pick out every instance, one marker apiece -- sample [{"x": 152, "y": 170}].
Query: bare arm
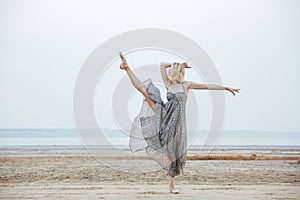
[
  {"x": 200, "y": 86},
  {"x": 163, "y": 66}
]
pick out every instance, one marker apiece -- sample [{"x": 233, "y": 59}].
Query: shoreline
[{"x": 229, "y": 157}]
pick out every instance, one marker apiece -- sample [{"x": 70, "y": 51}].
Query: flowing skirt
[{"x": 162, "y": 133}]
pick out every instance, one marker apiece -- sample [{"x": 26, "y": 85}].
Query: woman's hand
[
  {"x": 232, "y": 90},
  {"x": 165, "y": 64},
  {"x": 186, "y": 65}
]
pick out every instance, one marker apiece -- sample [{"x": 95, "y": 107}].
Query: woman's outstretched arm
[
  {"x": 200, "y": 86},
  {"x": 163, "y": 66}
]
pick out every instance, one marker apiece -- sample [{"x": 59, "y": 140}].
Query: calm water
[
  {"x": 17, "y": 137},
  {"x": 67, "y": 141},
  {"x": 115, "y": 137}
]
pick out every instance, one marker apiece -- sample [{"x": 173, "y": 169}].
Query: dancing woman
[{"x": 163, "y": 132}]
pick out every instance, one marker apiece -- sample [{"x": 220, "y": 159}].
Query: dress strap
[
  {"x": 183, "y": 87},
  {"x": 168, "y": 85}
]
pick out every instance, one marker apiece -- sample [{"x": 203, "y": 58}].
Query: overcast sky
[{"x": 254, "y": 44}]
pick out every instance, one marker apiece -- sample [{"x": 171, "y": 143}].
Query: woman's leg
[
  {"x": 136, "y": 82},
  {"x": 171, "y": 178},
  {"x": 171, "y": 182}
]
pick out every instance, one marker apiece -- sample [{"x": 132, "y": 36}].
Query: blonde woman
[{"x": 160, "y": 127}]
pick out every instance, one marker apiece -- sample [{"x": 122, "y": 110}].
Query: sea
[{"x": 56, "y": 141}]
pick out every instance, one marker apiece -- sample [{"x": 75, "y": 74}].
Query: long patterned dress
[{"x": 162, "y": 133}]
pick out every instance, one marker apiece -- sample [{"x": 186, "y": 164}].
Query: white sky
[{"x": 254, "y": 44}]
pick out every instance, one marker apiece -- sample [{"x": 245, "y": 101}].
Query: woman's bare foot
[
  {"x": 171, "y": 186},
  {"x": 124, "y": 64},
  {"x": 173, "y": 190}
]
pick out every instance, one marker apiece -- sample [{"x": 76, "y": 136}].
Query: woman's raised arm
[
  {"x": 163, "y": 66},
  {"x": 200, "y": 86}
]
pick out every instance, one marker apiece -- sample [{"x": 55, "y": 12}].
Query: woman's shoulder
[{"x": 186, "y": 83}]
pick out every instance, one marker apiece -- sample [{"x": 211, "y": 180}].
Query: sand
[{"x": 85, "y": 177}]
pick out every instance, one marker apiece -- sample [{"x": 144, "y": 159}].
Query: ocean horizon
[{"x": 16, "y": 137}]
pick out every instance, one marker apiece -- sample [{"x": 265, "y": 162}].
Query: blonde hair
[{"x": 177, "y": 72}]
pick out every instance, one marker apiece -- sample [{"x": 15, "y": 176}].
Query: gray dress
[{"x": 162, "y": 133}]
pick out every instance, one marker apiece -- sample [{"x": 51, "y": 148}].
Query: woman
[{"x": 160, "y": 127}]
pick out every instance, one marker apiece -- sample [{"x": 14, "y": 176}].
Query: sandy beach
[
  {"x": 28, "y": 175},
  {"x": 91, "y": 90}
]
